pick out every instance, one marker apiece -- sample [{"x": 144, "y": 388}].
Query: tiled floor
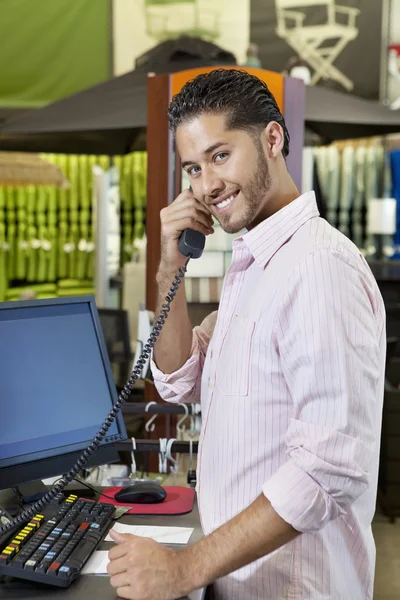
[{"x": 387, "y": 576}]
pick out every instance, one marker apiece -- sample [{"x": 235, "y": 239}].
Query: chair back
[
  {"x": 282, "y": 4},
  {"x": 167, "y": 2}
]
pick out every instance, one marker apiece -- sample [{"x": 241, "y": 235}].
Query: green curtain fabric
[
  {"x": 51, "y": 49},
  {"x": 47, "y": 238}
]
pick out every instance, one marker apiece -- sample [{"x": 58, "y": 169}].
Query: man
[{"x": 289, "y": 372}]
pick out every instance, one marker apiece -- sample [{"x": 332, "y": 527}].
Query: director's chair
[{"x": 309, "y": 41}]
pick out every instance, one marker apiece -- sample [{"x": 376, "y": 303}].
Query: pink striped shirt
[{"x": 290, "y": 375}]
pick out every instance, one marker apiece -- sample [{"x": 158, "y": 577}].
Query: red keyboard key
[{"x": 53, "y": 568}]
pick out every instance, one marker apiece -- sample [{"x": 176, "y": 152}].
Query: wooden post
[
  {"x": 159, "y": 176},
  {"x": 159, "y": 190}
]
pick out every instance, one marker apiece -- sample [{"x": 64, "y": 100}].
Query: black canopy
[
  {"x": 6, "y": 113},
  {"x": 110, "y": 118},
  {"x": 334, "y": 115}
]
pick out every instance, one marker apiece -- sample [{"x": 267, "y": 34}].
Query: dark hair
[{"x": 245, "y": 99}]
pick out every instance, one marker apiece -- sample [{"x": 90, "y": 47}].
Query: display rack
[
  {"x": 183, "y": 447},
  {"x": 159, "y": 409}
]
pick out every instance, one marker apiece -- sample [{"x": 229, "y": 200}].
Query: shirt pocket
[{"x": 233, "y": 369}]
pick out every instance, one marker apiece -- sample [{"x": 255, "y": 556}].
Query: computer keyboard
[{"x": 53, "y": 547}]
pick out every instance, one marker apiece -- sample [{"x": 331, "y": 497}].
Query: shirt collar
[{"x": 267, "y": 237}]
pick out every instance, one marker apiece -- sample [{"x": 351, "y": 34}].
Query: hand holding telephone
[{"x": 192, "y": 242}]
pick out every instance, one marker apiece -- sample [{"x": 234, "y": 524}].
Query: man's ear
[{"x": 273, "y": 139}]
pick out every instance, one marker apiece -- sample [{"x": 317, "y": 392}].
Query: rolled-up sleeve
[
  {"x": 184, "y": 384},
  {"x": 329, "y": 331}
]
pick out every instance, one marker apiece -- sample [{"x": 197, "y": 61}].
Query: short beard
[{"x": 254, "y": 193}]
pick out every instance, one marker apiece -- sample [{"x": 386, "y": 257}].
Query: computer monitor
[{"x": 56, "y": 388}]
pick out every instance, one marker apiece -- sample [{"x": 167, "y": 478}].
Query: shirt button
[{"x": 211, "y": 385}]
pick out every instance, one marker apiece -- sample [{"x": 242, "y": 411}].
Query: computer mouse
[{"x": 142, "y": 492}]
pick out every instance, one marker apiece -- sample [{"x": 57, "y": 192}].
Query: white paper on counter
[
  {"x": 97, "y": 563},
  {"x": 163, "y": 535}
]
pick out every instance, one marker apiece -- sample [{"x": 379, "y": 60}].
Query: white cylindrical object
[
  {"x": 101, "y": 183},
  {"x": 381, "y": 216}
]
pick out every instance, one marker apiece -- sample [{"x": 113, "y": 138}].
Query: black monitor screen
[{"x": 55, "y": 380}]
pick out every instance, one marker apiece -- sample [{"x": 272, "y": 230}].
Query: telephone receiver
[{"x": 192, "y": 242}]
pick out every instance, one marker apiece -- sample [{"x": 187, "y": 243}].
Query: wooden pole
[{"x": 159, "y": 192}]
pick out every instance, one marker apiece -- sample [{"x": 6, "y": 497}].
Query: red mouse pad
[{"x": 179, "y": 501}]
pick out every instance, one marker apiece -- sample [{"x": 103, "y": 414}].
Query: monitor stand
[
  {"x": 12, "y": 499},
  {"x": 33, "y": 491}
]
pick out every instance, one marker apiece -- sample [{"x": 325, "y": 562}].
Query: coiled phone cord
[{"x": 122, "y": 398}]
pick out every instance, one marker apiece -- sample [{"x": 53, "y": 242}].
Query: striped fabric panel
[{"x": 203, "y": 289}]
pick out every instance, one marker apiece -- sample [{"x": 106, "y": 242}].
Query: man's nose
[{"x": 212, "y": 184}]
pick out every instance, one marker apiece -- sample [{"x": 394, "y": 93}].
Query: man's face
[{"x": 228, "y": 171}]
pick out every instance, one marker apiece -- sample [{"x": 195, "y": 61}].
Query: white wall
[
  {"x": 395, "y": 21},
  {"x": 131, "y": 39},
  {"x": 129, "y": 36}
]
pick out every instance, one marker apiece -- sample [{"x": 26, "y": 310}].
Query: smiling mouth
[{"x": 226, "y": 203}]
